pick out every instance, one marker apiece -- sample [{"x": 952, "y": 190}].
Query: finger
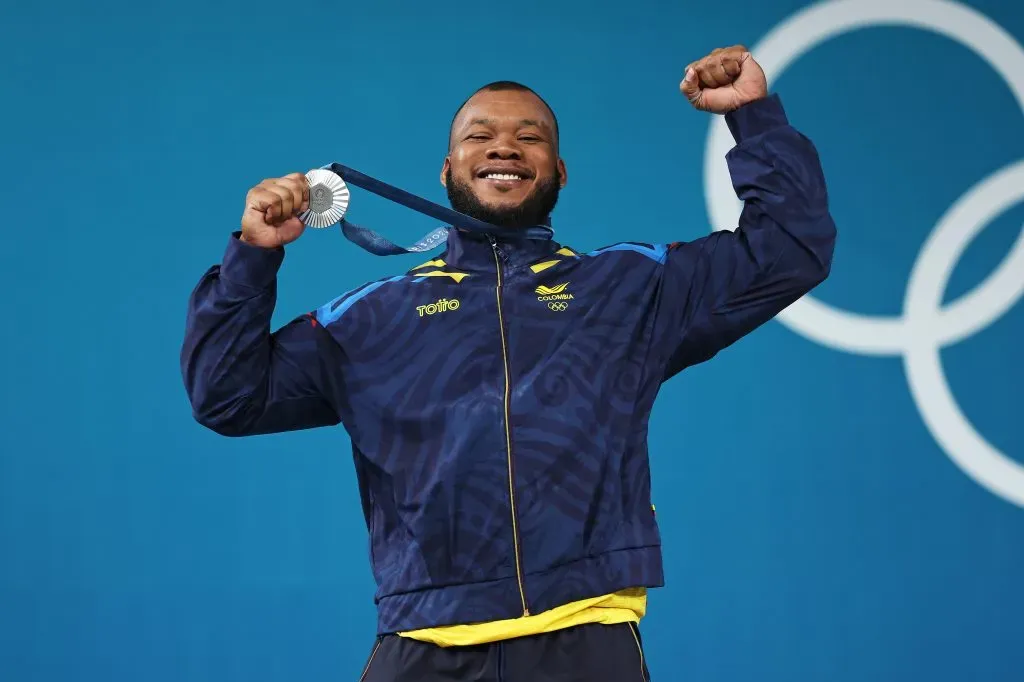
[
  {"x": 730, "y": 52},
  {"x": 291, "y": 228},
  {"x": 274, "y": 200},
  {"x": 717, "y": 99},
  {"x": 707, "y": 79},
  {"x": 716, "y": 71},
  {"x": 304, "y": 192},
  {"x": 285, "y": 203},
  {"x": 263, "y": 202},
  {"x": 690, "y": 86},
  {"x": 297, "y": 187},
  {"x": 260, "y": 199},
  {"x": 732, "y": 67},
  {"x": 301, "y": 183}
]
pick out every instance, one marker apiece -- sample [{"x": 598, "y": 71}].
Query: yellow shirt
[{"x": 625, "y": 606}]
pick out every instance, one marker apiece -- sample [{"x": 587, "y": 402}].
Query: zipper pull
[{"x": 497, "y": 251}]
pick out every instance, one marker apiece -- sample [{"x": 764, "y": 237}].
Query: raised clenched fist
[
  {"x": 724, "y": 81},
  {"x": 271, "y": 207}
]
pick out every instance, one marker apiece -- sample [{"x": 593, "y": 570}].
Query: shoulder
[
  {"x": 435, "y": 267},
  {"x": 631, "y": 250},
  {"x": 334, "y": 309},
  {"x": 337, "y": 307}
]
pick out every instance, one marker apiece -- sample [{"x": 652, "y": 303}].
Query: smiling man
[
  {"x": 498, "y": 396},
  {"x": 503, "y": 165}
]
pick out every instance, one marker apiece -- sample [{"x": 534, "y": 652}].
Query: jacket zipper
[{"x": 508, "y": 427}]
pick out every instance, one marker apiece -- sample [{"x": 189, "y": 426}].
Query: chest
[{"x": 465, "y": 332}]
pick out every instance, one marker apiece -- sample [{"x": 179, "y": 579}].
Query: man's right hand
[{"x": 269, "y": 220}]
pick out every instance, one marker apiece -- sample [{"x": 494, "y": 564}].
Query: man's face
[{"x": 503, "y": 165}]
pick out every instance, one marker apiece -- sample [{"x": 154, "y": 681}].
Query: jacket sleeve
[
  {"x": 723, "y": 286},
  {"x": 241, "y": 379}
]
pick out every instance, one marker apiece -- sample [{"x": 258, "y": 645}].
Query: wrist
[
  {"x": 249, "y": 241},
  {"x": 249, "y": 265},
  {"x": 756, "y": 117}
]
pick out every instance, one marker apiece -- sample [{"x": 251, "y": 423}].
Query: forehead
[{"x": 504, "y": 106}]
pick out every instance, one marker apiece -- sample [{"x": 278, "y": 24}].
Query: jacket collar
[{"x": 472, "y": 251}]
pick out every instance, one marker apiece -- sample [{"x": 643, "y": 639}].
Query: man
[{"x": 497, "y": 396}]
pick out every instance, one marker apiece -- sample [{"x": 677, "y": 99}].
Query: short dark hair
[{"x": 495, "y": 87}]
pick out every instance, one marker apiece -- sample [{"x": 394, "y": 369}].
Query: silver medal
[{"x": 328, "y": 199}]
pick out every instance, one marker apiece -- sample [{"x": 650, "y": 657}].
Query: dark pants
[{"x": 586, "y": 653}]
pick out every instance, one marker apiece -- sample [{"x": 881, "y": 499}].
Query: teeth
[{"x": 502, "y": 176}]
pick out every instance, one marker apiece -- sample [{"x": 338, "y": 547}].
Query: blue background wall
[{"x": 134, "y": 545}]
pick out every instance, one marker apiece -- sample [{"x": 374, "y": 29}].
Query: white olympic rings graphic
[{"x": 926, "y": 326}]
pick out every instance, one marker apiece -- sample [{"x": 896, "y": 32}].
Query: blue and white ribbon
[{"x": 329, "y": 200}]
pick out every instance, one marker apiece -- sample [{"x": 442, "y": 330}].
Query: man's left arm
[{"x": 728, "y": 283}]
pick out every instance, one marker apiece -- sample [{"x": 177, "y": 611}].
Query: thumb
[
  {"x": 291, "y": 228},
  {"x": 690, "y": 86}
]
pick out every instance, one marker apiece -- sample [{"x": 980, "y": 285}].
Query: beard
[{"x": 533, "y": 210}]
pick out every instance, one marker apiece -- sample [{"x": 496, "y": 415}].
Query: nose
[{"x": 503, "y": 148}]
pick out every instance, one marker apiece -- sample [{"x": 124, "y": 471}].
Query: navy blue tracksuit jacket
[{"x": 498, "y": 396}]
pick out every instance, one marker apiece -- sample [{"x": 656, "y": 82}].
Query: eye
[
  {"x": 477, "y": 136},
  {"x": 530, "y": 138}
]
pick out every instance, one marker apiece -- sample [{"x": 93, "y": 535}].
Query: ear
[
  {"x": 562, "y": 172},
  {"x": 444, "y": 170}
]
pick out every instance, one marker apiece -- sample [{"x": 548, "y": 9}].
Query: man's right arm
[{"x": 242, "y": 379}]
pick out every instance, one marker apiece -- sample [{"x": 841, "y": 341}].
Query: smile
[
  {"x": 506, "y": 175},
  {"x": 503, "y": 177}
]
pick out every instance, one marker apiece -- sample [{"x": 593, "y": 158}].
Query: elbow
[
  {"x": 814, "y": 273},
  {"x": 819, "y": 248},
  {"x": 817, "y": 276},
  {"x": 230, "y": 418},
  {"x": 811, "y": 263},
  {"x": 826, "y": 249},
  {"x": 218, "y": 403},
  {"x": 222, "y": 427}
]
